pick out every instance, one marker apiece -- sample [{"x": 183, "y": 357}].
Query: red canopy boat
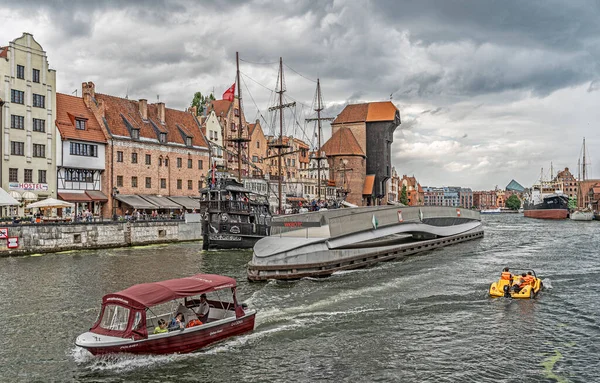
[{"x": 127, "y": 318}]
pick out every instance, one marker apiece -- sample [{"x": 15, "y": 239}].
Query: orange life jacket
[
  {"x": 523, "y": 282},
  {"x": 529, "y": 279},
  {"x": 194, "y": 322},
  {"x": 506, "y": 275}
]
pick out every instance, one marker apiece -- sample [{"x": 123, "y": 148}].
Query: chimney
[
  {"x": 143, "y": 105},
  {"x": 161, "y": 112},
  {"x": 88, "y": 91},
  {"x": 194, "y": 110}
]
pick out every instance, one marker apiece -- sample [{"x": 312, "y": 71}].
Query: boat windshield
[{"x": 115, "y": 318}]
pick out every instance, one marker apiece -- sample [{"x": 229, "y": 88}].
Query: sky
[{"x": 488, "y": 91}]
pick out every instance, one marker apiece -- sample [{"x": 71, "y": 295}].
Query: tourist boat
[
  {"x": 503, "y": 288},
  {"x": 233, "y": 217},
  {"x": 128, "y": 318},
  {"x": 490, "y": 211}
]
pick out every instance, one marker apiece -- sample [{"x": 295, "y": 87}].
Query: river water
[{"x": 427, "y": 318}]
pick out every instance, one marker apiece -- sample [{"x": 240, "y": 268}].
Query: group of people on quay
[{"x": 143, "y": 215}]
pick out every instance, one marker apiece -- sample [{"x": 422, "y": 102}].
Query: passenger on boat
[
  {"x": 162, "y": 327},
  {"x": 529, "y": 278},
  {"x": 177, "y": 323},
  {"x": 506, "y": 275},
  {"x": 203, "y": 309},
  {"x": 518, "y": 285}
]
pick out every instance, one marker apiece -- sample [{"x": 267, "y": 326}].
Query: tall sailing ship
[
  {"x": 546, "y": 200},
  {"x": 583, "y": 212}
]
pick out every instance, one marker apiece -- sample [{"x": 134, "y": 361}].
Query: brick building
[
  {"x": 153, "y": 152},
  {"x": 257, "y": 151},
  {"x": 568, "y": 181},
  {"x": 484, "y": 199},
  {"x": 414, "y": 191}
]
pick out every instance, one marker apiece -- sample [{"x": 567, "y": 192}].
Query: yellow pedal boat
[{"x": 509, "y": 288}]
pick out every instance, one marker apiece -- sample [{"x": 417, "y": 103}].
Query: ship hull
[{"x": 547, "y": 213}]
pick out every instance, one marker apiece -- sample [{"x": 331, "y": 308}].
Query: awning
[
  {"x": 15, "y": 194},
  {"x": 161, "y": 202},
  {"x": 74, "y": 197},
  {"x": 135, "y": 201},
  {"x": 6, "y": 199},
  {"x": 369, "y": 182},
  {"x": 29, "y": 196},
  {"x": 186, "y": 202},
  {"x": 295, "y": 199},
  {"x": 96, "y": 195}
]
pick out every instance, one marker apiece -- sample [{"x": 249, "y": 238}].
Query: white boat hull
[{"x": 582, "y": 215}]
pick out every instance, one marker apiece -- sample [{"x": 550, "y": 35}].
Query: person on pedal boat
[
  {"x": 529, "y": 278},
  {"x": 520, "y": 283},
  {"x": 506, "y": 275}
]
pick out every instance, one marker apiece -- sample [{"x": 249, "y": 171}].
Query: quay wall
[{"x": 47, "y": 238}]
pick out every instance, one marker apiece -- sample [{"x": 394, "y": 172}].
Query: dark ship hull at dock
[
  {"x": 552, "y": 207},
  {"x": 233, "y": 217}
]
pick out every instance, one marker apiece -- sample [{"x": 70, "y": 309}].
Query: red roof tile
[
  {"x": 251, "y": 129},
  {"x": 117, "y": 108},
  {"x": 68, "y": 109},
  {"x": 368, "y": 112},
  {"x": 368, "y": 186},
  {"x": 221, "y": 107},
  {"x": 342, "y": 143}
]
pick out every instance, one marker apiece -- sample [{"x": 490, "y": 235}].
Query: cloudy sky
[{"x": 488, "y": 90}]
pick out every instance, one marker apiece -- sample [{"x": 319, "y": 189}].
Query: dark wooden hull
[
  {"x": 241, "y": 242},
  {"x": 547, "y": 213},
  {"x": 182, "y": 342}
]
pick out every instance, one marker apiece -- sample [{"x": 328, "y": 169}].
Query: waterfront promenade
[{"x": 378, "y": 324}]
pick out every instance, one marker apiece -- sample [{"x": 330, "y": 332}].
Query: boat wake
[
  {"x": 547, "y": 283},
  {"x": 119, "y": 362}
]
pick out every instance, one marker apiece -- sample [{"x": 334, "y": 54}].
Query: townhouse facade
[{"x": 28, "y": 146}]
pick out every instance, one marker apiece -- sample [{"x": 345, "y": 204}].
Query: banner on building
[{"x": 27, "y": 186}]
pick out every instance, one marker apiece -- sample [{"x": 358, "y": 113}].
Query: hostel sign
[{"x": 27, "y": 186}]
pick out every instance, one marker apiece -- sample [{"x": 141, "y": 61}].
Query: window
[
  {"x": 134, "y": 182},
  {"x": 42, "y": 176},
  {"x": 200, "y": 164},
  {"x": 39, "y": 101},
  {"x": 179, "y": 184},
  {"x": 17, "y": 122},
  {"x": 163, "y": 137},
  {"x": 179, "y": 162},
  {"x": 167, "y": 161},
  {"x": 79, "y": 175},
  {"x": 236, "y": 112},
  {"x": 39, "y": 150},
  {"x": 36, "y": 75},
  {"x": 293, "y": 162},
  {"x": 115, "y": 318},
  {"x": 120, "y": 181},
  {"x": 190, "y": 187},
  {"x": 17, "y": 148},
  {"x": 188, "y": 141},
  {"x": 119, "y": 156},
  {"x": 189, "y": 163},
  {"x": 17, "y": 96},
  {"x": 80, "y": 124},
  {"x": 163, "y": 183},
  {"x": 21, "y": 72},
  {"x": 148, "y": 159},
  {"x": 13, "y": 175},
  {"x": 233, "y": 126},
  {"x": 254, "y": 158},
  {"x": 160, "y": 161},
  {"x": 135, "y": 134},
  {"x": 28, "y": 176},
  {"x": 148, "y": 182},
  {"x": 39, "y": 125},
  {"x": 134, "y": 158},
  {"x": 86, "y": 150},
  {"x": 257, "y": 144},
  {"x": 199, "y": 184}
]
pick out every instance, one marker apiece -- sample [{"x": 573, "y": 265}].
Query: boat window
[
  {"x": 115, "y": 318},
  {"x": 137, "y": 320}
]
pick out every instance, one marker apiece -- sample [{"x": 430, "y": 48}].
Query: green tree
[
  {"x": 513, "y": 202},
  {"x": 404, "y": 196},
  {"x": 199, "y": 101},
  {"x": 572, "y": 203}
]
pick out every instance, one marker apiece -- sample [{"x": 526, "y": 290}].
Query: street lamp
[{"x": 115, "y": 193}]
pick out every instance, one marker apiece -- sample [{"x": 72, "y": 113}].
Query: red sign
[
  {"x": 458, "y": 212},
  {"x": 12, "y": 242},
  {"x": 400, "y": 219},
  {"x": 3, "y": 233}
]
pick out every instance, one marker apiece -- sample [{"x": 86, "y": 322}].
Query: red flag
[{"x": 229, "y": 93}]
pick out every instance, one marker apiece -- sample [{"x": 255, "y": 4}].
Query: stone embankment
[{"x": 47, "y": 238}]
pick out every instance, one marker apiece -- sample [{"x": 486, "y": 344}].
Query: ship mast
[
  {"x": 319, "y": 119},
  {"x": 239, "y": 138}
]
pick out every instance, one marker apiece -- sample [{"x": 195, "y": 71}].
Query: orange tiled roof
[
  {"x": 121, "y": 112},
  {"x": 69, "y": 108},
  {"x": 3, "y": 51},
  {"x": 368, "y": 112},
  {"x": 251, "y": 129},
  {"x": 221, "y": 107},
  {"x": 369, "y": 182},
  {"x": 342, "y": 143},
  {"x": 301, "y": 143}
]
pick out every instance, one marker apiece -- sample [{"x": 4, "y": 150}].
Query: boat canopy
[{"x": 150, "y": 294}]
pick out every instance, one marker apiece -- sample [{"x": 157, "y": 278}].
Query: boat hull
[
  {"x": 231, "y": 241},
  {"x": 547, "y": 213},
  {"x": 188, "y": 340},
  {"x": 582, "y": 215}
]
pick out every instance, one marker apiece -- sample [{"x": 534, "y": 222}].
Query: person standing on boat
[{"x": 203, "y": 309}]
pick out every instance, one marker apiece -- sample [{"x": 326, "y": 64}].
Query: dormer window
[
  {"x": 233, "y": 126},
  {"x": 236, "y": 112},
  {"x": 163, "y": 138},
  {"x": 188, "y": 141},
  {"x": 80, "y": 124},
  {"x": 135, "y": 134}
]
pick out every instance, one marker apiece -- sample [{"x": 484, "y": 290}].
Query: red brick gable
[
  {"x": 342, "y": 143},
  {"x": 121, "y": 112},
  {"x": 69, "y": 108}
]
